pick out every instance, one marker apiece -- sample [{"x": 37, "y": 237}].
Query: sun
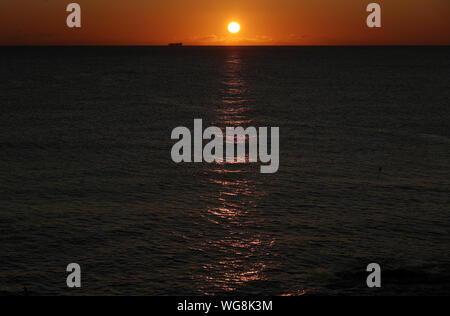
[{"x": 234, "y": 27}]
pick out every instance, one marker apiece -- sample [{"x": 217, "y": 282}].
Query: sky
[{"x": 204, "y": 22}]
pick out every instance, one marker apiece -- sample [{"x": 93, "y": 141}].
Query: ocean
[{"x": 86, "y": 174}]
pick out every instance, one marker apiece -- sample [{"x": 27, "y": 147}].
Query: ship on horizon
[{"x": 176, "y": 44}]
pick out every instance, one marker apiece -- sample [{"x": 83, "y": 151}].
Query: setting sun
[{"x": 234, "y": 27}]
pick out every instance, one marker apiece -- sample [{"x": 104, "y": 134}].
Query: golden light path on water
[
  {"x": 237, "y": 252},
  {"x": 240, "y": 259}
]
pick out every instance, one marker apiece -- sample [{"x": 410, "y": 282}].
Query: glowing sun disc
[{"x": 234, "y": 27}]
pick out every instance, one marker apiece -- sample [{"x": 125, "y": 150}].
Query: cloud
[
  {"x": 231, "y": 40},
  {"x": 207, "y": 39}
]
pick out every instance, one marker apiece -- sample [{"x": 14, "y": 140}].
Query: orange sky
[{"x": 204, "y": 22}]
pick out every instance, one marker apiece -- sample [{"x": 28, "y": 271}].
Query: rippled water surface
[{"x": 86, "y": 174}]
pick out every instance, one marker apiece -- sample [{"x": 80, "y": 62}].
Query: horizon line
[{"x": 223, "y": 46}]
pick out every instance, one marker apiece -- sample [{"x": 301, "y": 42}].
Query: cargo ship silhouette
[{"x": 176, "y": 44}]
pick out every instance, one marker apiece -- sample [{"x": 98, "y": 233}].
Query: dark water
[{"x": 86, "y": 174}]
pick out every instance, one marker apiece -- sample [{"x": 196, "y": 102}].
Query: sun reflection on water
[{"x": 236, "y": 252}]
